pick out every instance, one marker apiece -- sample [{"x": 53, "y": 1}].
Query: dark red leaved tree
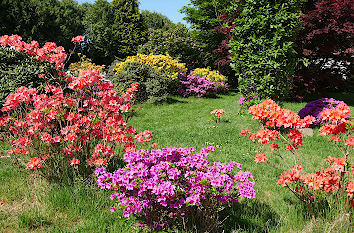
[
  {"x": 326, "y": 39},
  {"x": 222, "y": 52}
]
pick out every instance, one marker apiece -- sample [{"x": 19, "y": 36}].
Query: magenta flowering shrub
[
  {"x": 171, "y": 186},
  {"x": 192, "y": 85},
  {"x": 316, "y": 107}
]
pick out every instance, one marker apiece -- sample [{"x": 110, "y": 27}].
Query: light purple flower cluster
[
  {"x": 192, "y": 85},
  {"x": 315, "y": 108},
  {"x": 242, "y": 99},
  {"x": 172, "y": 180}
]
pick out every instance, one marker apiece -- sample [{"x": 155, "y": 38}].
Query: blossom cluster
[
  {"x": 58, "y": 129},
  {"x": 192, "y": 85},
  {"x": 217, "y": 112},
  {"x": 172, "y": 181},
  {"x": 161, "y": 63},
  {"x": 316, "y": 107},
  {"x": 50, "y": 52},
  {"x": 77, "y": 39},
  {"x": 326, "y": 180},
  {"x": 273, "y": 118},
  {"x": 212, "y": 75},
  {"x": 308, "y": 187}
]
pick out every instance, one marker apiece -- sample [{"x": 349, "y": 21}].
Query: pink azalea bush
[
  {"x": 171, "y": 186},
  {"x": 192, "y": 85}
]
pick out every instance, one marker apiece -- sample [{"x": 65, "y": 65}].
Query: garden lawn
[{"x": 30, "y": 204}]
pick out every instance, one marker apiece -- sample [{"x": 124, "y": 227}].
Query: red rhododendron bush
[
  {"x": 282, "y": 129},
  {"x": 69, "y": 129}
]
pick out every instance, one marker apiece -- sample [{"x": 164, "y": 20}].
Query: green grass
[{"x": 33, "y": 205}]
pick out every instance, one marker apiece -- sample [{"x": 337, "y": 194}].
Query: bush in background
[
  {"x": 212, "y": 75},
  {"x": 262, "y": 43},
  {"x": 326, "y": 42},
  {"x": 163, "y": 64},
  {"x": 17, "y": 69},
  {"x": 85, "y": 63},
  {"x": 178, "y": 43},
  {"x": 316, "y": 107},
  {"x": 153, "y": 86},
  {"x": 194, "y": 85}
]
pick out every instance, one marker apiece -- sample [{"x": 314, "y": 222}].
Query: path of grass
[{"x": 32, "y": 205}]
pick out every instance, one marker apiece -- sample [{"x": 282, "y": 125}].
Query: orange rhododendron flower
[
  {"x": 100, "y": 162},
  {"x": 274, "y": 146},
  {"x": 75, "y": 163},
  {"x": 260, "y": 158},
  {"x": 269, "y": 124},
  {"x": 34, "y": 163},
  {"x": 245, "y": 132},
  {"x": 217, "y": 112},
  {"x": 338, "y": 114},
  {"x": 350, "y": 189},
  {"x": 350, "y": 141},
  {"x": 335, "y": 138}
]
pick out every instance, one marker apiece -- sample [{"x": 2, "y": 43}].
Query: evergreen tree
[
  {"x": 102, "y": 43},
  {"x": 130, "y": 28},
  {"x": 42, "y": 20}
]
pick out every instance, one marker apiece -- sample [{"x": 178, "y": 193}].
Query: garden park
[{"x": 116, "y": 119}]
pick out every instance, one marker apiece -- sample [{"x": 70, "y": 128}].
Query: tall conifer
[{"x": 130, "y": 29}]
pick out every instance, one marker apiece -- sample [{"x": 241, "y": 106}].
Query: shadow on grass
[
  {"x": 252, "y": 216},
  {"x": 171, "y": 100},
  {"x": 225, "y": 121}
]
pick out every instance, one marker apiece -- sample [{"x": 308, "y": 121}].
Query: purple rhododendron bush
[
  {"x": 316, "y": 107},
  {"x": 176, "y": 187}
]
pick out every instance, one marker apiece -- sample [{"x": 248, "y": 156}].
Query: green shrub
[
  {"x": 153, "y": 86},
  {"x": 18, "y": 69},
  {"x": 262, "y": 50},
  {"x": 178, "y": 43}
]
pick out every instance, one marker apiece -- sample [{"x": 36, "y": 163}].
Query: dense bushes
[
  {"x": 163, "y": 64},
  {"x": 262, "y": 51},
  {"x": 178, "y": 43},
  {"x": 326, "y": 41},
  {"x": 85, "y": 63},
  {"x": 204, "y": 17},
  {"x": 154, "y": 20},
  {"x": 153, "y": 86},
  {"x": 17, "y": 69},
  {"x": 42, "y": 20},
  {"x": 27, "y": 64}
]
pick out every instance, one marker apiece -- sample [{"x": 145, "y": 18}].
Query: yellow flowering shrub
[
  {"x": 212, "y": 75},
  {"x": 161, "y": 63},
  {"x": 85, "y": 63}
]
